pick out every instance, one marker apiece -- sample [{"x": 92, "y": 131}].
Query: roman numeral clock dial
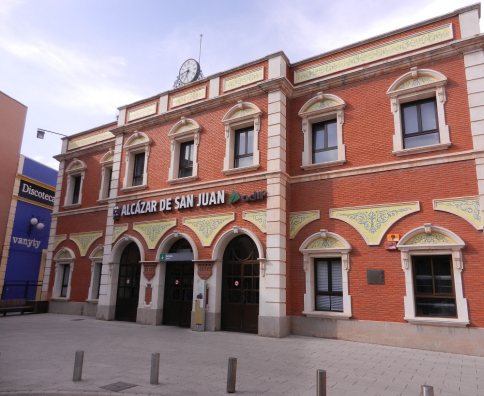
[{"x": 189, "y": 71}]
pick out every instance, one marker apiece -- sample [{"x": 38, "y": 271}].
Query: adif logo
[{"x": 234, "y": 197}]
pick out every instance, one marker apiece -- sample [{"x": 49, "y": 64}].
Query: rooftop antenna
[{"x": 200, "y": 49}]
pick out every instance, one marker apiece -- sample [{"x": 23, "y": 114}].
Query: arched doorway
[
  {"x": 128, "y": 284},
  {"x": 240, "y": 286},
  {"x": 178, "y": 296}
]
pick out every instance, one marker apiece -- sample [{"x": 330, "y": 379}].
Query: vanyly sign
[{"x": 186, "y": 201}]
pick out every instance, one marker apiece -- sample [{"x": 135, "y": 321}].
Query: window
[
  {"x": 185, "y": 168},
  {"x": 137, "y": 149},
  {"x": 322, "y": 126},
  {"x": 244, "y": 147},
  {"x": 107, "y": 175},
  {"x": 65, "y": 269},
  {"x": 325, "y": 142},
  {"x": 326, "y": 265},
  {"x": 96, "y": 272},
  {"x": 420, "y": 126},
  {"x": 75, "y": 178},
  {"x": 138, "y": 169},
  {"x": 434, "y": 291},
  {"x": 185, "y": 138},
  {"x": 417, "y": 104},
  {"x": 432, "y": 263},
  {"x": 329, "y": 285},
  {"x": 64, "y": 264},
  {"x": 242, "y": 125}
]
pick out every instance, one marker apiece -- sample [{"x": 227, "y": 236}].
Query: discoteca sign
[{"x": 187, "y": 201}]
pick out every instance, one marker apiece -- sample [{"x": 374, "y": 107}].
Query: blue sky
[{"x": 74, "y": 62}]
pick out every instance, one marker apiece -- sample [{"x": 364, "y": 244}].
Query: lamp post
[
  {"x": 35, "y": 223},
  {"x": 41, "y": 133}
]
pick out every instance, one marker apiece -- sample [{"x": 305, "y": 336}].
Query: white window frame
[
  {"x": 183, "y": 131},
  {"x": 64, "y": 257},
  {"x": 242, "y": 115},
  {"x": 106, "y": 164},
  {"x": 96, "y": 258},
  {"x": 137, "y": 143},
  {"x": 416, "y": 85},
  {"x": 322, "y": 107},
  {"x": 426, "y": 241},
  {"x": 332, "y": 246},
  {"x": 74, "y": 169}
]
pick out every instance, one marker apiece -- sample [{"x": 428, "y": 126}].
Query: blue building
[{"x": 27, "y": 236}]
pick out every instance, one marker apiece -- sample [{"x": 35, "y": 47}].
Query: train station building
[{"x": 339, "y": 196}]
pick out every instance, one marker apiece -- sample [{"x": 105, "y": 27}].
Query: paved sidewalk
[{"x": 37, "y": 357}]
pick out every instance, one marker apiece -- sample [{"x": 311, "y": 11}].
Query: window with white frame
[
  {"x": 433, "y": 264},
  {"x": 96, "y": 272},
  {"x": 322, "y": 127},
  {"x": 242, "y": 126},
  {"x": 75, "y": 173},
  {"x": 137, "y": 148},
  {"x": 64, "y": 265},
  {"x": 184, "y": 138},
  {"x": 418, "y": 106},
  {"x": 326, "y": 265},
  {"x": 106, "y": 175}
]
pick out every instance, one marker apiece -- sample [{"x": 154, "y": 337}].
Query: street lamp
[{"x": 41, "y": 133}]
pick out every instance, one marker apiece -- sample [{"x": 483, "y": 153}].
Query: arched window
[
  {"x": 242, "y": 125},
  {"x": 64, "y": 265},
  {"x": 106, "y": 175},
  {"x": 432, "y": 262},
  {"x": 326, "y": 264},
  {"x": 417, "y": 103},
  {"x": 96, "y": 258},
  {"x": 137, "y": 149},
  {"x": 75, "y": 173},
  {"x": 322, "y": 126}
]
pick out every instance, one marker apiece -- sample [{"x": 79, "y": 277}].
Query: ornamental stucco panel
[
  {"x": 434, "y": 238},
  {"x": 256, "y": 217},
  {"x": 325, "y": 243},
  {"x": 84, "y": 240},
  {"x": 58, "y": 239},
  {"x": 297, "y": 220},
  {"x": 207, "y": 227},
  {"x": 372, "y": 222},
  {"x": 466, "y": 208},
  {"x": 118, "y": 230},
  {"x": 153, "y": 231}
]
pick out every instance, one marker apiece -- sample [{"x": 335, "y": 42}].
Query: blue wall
[{"x": 27, "y": 243}]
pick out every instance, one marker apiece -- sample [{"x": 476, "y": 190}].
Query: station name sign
[
  {"x": 187, "y": 201},
  {"x": 38, "y": 194}
]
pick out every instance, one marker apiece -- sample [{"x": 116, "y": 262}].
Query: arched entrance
[
  {"x": 128, "y": 284},
  {"x": 178, "y": 297},
  {"x": 240, "y": 286}
]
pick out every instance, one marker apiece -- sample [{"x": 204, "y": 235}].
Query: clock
[{"x": 189, "y": 71}]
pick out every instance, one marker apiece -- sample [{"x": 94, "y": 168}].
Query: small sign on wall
[{"x": 375, "y": 276}]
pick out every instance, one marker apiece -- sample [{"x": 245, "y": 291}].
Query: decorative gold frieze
[
  {"x": 372, "y": 222},
  {"x": 58, "y": 239},
  {"x": 256, "y": 217},
  {"x": 466, "y": 208},
  {"x": 242, "y": 79},
  {"x": 91, "y": 139},
  {"x": 188, "y": 97},
  {"x": 153, "y": 231},
  {"x": 434, "y": 238},
  {"x": 297, "y": 220},
  {"x": 372, "y": 54},
  {"x": 325, "y": 243},
  {"x": 84, "y": 240},
  {"x": 118, "y": 230},
  {"x": 207, "y": 227},
  {"x": 141, "y": 112}
]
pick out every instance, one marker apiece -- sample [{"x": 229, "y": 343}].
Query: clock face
[{"x": 189, "y": 71}]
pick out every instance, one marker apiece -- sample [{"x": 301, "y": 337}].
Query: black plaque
[
  {"x": 375, "y": 276},
  {"x": 36, "y": 193}
]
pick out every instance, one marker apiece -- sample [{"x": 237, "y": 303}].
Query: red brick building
[{"x": 339, "y": 196}]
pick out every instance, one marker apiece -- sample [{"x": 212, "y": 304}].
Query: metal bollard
[
  {"x": 78, "y": 361},
  {"x": 155, "y": 368},
  {"x": 320, "y": 383},
  {"x": 231, "y": 375},
  {"x": 427, "y": 390}
]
